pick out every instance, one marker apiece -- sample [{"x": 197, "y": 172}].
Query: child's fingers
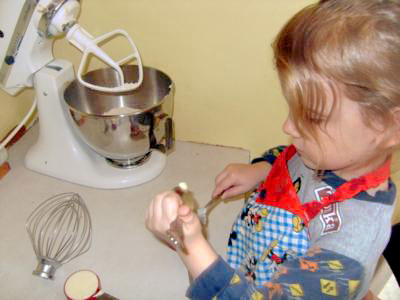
[
  {"x": 185, "y": 213},
  {"x": 170, "y": 205},
  {"x": 224, "y": 186},
  {"x": 221, "y": 184},
  {"x": 158, "y": 207},
  {"x": 155, "y": 213},
  {"x": 188, "y": 217},
  {"x": 221, "y": 176},
  {"x": 231, "y": 192},
  {"x": 149, "y": 221}
]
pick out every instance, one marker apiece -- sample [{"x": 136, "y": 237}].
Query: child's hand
[
  {"x": 164, "y": 209},
  {"x": 236, "y": 179}
]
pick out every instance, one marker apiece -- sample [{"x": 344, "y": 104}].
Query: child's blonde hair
[{"x": 341, "y": 47}]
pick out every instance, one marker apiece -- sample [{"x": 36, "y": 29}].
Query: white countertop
[{"x": 130, "y": 262}]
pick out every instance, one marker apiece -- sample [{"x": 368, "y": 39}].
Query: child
[{"x": 320, "y": 217}]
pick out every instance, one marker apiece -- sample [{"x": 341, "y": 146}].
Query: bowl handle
[
  {"x": 169, "y": 139},
  {"x": 168, "y": 132}
]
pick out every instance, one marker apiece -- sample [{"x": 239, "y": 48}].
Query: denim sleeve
[
  {"x": 320, "y": 274},
  {"x": 270, "y": 155}
]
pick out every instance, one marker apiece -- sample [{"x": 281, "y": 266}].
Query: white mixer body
[{"x": 23, "y": 51}]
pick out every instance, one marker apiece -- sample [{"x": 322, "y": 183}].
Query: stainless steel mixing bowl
[{"x": 123, "y": 127}]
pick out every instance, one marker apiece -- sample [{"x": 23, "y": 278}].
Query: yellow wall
[
  {"x": 13, "y": 110},
  {"x": 216, "y": 51}
]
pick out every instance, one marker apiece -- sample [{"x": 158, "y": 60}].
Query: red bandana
[{"x": 278, "y": 190}]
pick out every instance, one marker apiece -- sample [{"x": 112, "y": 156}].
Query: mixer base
[
  {"x": 90, "y": 169},
  {"x": 129, "y": 163}
]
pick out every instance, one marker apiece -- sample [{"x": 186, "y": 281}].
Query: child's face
[{"x": 348, "y": 145}]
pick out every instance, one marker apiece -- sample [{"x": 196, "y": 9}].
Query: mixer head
[{"x": 28, "y": 30}]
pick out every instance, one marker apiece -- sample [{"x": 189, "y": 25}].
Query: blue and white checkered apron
[{"x": 262, "y": 237}]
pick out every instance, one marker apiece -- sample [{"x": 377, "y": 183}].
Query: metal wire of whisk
[{"x": 60, "y": 229}]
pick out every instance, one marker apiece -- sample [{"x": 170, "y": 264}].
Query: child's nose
[{"x": 290, "y": 128}]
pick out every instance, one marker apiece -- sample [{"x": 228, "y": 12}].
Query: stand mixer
[{"x": 110, "y": 102}]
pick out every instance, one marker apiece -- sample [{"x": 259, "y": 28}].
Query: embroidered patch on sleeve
[{"x": 330, "y": 216}]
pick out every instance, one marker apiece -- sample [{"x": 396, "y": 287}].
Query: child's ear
[{"x": 394, "y": 139}]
